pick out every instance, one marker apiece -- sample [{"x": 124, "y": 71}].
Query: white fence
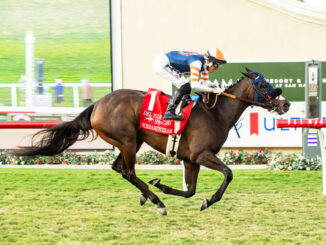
[{"x": 75, "y": 89}]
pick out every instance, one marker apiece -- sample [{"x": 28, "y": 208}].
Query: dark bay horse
[{"x": 115, "y": 118}]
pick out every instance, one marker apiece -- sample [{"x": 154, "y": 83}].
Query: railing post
[
  {"x": 13, "y": 95},
  {"x": 76, "y": 96},
  {"x": 323, "y": 158}
]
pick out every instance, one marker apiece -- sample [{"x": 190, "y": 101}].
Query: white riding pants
[{"x": 159, "y": 64}]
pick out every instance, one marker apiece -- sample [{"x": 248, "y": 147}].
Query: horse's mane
[
  {"x": 239, "y": 80},
  {"x": 232, "y": 85}
]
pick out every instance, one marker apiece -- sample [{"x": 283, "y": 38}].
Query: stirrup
[
  {"x": 173, "y": 116},
  {"x": 176, "y": 118}
]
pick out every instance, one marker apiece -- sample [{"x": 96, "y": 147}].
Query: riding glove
[{"x": 216, "y": 90}]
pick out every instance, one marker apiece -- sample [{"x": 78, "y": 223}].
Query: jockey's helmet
[{"x": 215, "y": 56}]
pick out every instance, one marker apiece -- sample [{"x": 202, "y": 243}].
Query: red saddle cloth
[{"x": 152, "y": 113}]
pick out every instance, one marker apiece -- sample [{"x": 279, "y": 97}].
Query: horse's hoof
[
  {"x": 204, "y": 205},
  {"x": 162, "y": 211},
  {"x": 154, "y": 181},
  {"x": 142, "y": 199}
]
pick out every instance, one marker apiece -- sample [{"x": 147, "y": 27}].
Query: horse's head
[{"x": 264, "y": 94}]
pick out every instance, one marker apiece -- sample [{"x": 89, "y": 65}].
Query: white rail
[{"x": 75, "y": 86}]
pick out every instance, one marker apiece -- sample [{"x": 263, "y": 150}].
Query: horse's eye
[{"x": 263, "y": 85}]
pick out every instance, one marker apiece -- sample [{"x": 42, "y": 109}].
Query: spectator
[
  {"x": 58, "y": 88},
  {"x": 40, "y": 88},
  {"x": 87, "y": 93}
]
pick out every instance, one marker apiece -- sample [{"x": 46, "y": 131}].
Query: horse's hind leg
[
  {"x": 128, "y": 172},
  {"x": 117, "y": 164},
  {"x": 126, "y": 163},
  {"x": 191, "y": 175}
]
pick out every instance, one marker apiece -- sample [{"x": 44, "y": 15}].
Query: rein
[
  {"x": 211, "y": 107},
  {"x": 247, "y": 100},
  {"x": 265, "y": 105},
  {"x": 268, "y": 103}
]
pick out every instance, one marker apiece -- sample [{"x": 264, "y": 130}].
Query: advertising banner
[{"x": 256, "y": 126}]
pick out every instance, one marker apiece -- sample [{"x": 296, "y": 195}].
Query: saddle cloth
[{"x": 152, "y": 113}]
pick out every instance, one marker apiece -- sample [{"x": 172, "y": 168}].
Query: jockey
[{"x": 174, "y": 64}]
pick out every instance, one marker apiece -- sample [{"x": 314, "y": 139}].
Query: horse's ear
[
  {"x": 245, "y": 74},
  {"x": 248, "y": 70},
  {"x": 250, "y": 75}
]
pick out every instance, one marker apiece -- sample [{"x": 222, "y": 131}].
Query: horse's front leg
[
  {"x": 209, "y": 160},
  {"x": 191, "y": 175}
]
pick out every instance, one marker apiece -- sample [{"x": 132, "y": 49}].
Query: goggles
[{"x": 216, "y": 65}]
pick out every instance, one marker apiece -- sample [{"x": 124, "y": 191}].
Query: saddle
[{"x": 152, "y": 113}]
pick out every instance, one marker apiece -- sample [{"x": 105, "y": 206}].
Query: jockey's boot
[{"x": 170, "y": 111}]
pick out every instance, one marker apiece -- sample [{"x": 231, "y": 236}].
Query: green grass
[
  {"x": 70, "y": 60},
  {"x": 40, "y": 206},
  {"x": 73, "y": 37}
]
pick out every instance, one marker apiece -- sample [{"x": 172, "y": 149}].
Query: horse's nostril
[{"x": 286, "y": 106}]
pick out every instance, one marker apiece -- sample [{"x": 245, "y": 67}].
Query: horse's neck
[{"x": 231, "y": 109}]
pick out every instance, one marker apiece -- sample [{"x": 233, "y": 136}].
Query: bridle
[{"x": 262, "y": 99}]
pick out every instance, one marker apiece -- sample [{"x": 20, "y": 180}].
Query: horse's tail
[{"x": 55, "y": 140}]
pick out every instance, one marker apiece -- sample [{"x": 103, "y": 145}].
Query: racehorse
[{"x": 115, "y": 118}]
